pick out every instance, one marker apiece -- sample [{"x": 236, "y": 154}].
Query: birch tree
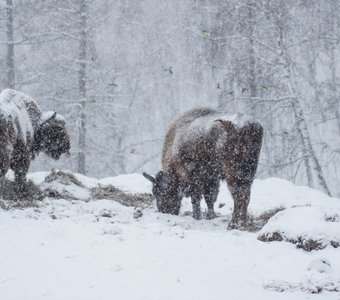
[
  {"x": 82, "y": 79},
  {"x": 10, "y": 67},
  {"x": 280, "y": 17}
]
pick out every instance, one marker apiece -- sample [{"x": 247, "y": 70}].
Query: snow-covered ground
[{"x": 96, "y": 249}]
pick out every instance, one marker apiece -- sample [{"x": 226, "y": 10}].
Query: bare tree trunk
[
  {"x": 10, "y": 76},
  {"x": 308, "y": 151},
  {"x": 335, "y": 101},
  {"x": 302, "y": 133},
  {"x": 82, "y": 85},
  {"x": 121, "y": 156},
  {"x": 319, "y": 172},
  {"x": 251, "y": 56},
  {"x": 297, "y": 109},
  {"x": 301, "y": 123}
]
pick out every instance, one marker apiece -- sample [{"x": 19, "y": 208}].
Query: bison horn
[
  {"x": 49, "y": 119},
  {"x": 149, "y": 177}
]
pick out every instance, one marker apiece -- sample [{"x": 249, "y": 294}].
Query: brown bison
[
  {"x": 24, "y": 132},
  {"x": 201, "y": 148}
]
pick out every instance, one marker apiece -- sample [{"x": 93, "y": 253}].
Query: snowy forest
[
  {"x": 121, "y": 71},
  {"x": 93, "y": 206}
]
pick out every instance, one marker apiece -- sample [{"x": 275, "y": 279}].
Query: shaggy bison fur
[
  {"x": 24, "y": 132},
  {"x": 202, "y": 148}
]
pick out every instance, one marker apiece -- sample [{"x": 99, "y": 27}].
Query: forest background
[{"x": 120, "y": 71}]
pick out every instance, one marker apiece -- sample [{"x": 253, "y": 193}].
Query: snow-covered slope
[{"x": 70, "y": 249}]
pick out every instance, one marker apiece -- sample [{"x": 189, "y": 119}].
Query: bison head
[
  {"x": 166, "y": 192},
  {"x": 52, "y": 137}
]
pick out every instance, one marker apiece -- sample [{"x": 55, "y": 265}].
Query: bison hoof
[
  {"x": 211, "y": 215},
  {"x": 20, "y": 192},
  {"x": 237, "y": 225},
  {"x": 196, "y": 215}
]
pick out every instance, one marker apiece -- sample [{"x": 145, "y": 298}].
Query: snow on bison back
[
  {"x": 202, "y": 147},
  {"x": 24, "y": 132}
]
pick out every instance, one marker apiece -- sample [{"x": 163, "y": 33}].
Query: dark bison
[
  {"x": 25, "y": 131},
  {"x": 201, "y": 148}
]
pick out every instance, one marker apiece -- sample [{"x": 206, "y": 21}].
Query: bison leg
[
  {"x": 6, "y": 149},
  {"x": 20, "y": 164},
  {"x": 20, "y": 184},
  {"x": 196, "y": 206},
  {"x": 210, "y": 197},
  {"x": 20, "y": 181},
  {"x": 241, "y": 196},
  {"x": 5, "y": 160}
]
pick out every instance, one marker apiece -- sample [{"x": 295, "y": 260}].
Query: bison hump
[
  {"x": 197, "y": 130},
  {"x": 13, "y": 109}
]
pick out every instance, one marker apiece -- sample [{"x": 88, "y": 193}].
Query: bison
[
  {"x": 201, "y": 148},
  {"x": 26, "y": 131}
]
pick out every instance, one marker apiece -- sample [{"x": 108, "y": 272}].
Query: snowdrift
[{"x": 309, "y": 227}]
